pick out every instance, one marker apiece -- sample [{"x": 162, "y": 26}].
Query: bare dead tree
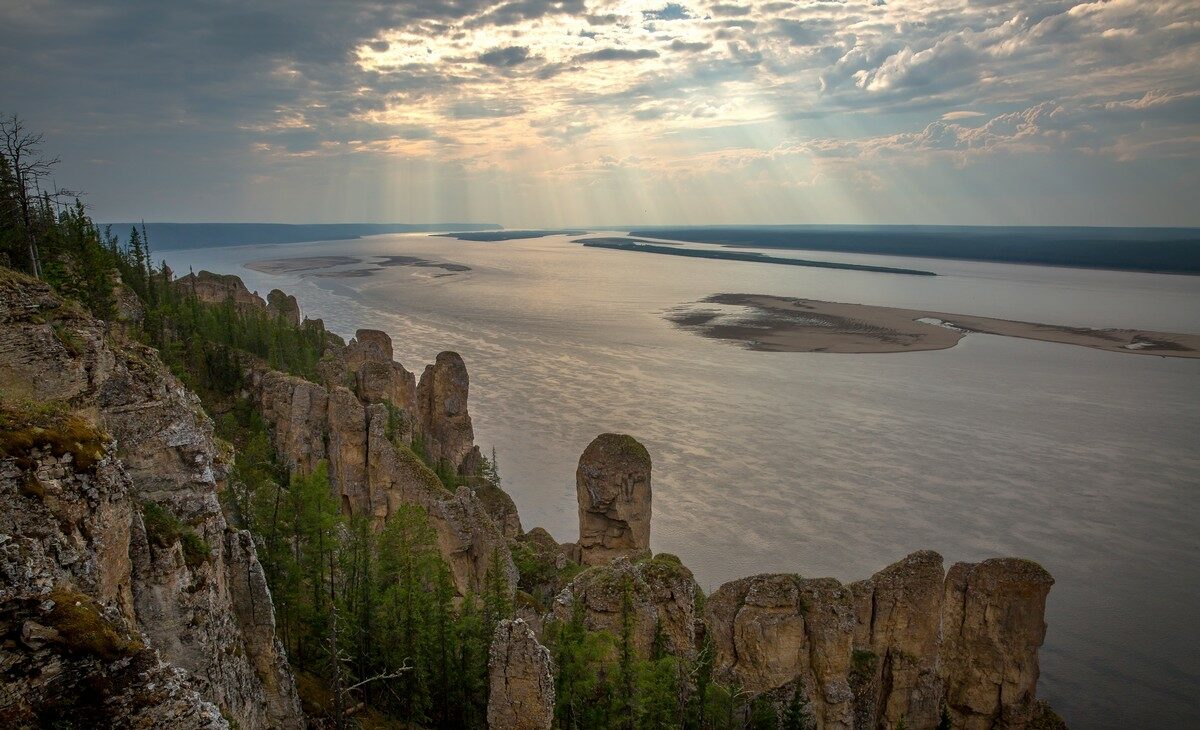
[{"x": 22, "y": 151}]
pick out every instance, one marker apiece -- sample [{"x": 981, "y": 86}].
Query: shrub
[
  {"x": 28, "y": 426},
  {"x": 84, "y": 629},
  {"x": 164, "y": 529}
]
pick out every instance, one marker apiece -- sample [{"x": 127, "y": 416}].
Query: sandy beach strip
[{"x": 788, "y": 324}]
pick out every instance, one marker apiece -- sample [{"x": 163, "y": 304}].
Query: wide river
[{"x": 835, "y": 465}]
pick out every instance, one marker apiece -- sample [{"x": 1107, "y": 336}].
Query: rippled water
[{"x": 822, "y": 464}]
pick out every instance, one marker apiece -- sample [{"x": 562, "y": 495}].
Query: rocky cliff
[
  {"x": 152, "y": 569},
  {"x": 368, "y": 438},
  {"x": 904, "y": 646},
  {"x": 125, "y": 596}
]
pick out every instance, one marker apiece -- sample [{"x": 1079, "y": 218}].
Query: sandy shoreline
[{"x": 786, "y": 324}]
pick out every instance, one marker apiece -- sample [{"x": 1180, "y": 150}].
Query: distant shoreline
[
  {"x": 1145, "y": 250},
  {"x": 789, "y": 324},
  {"x": 669, "y": 249}
]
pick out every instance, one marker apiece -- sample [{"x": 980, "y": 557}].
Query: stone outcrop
[
  {"x": 992, "y": 626},
  {"x": 896, "y": 647},
  {"x": 372, "y": 467},
  {"x": 442, "y": 417},
  {"x": 612, "y": 485},
  {"x": 213, "y": 288},
  {"x": 520, "y": 678},
  {"x": 185, "y": 608},
  {"x": 658, "y": 594},
  {"x": 284, "y": 305},
  {"x": 897, "y": 622}
]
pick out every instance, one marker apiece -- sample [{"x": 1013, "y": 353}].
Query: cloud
[
  {"x": 693, "y": 47},
  {"x": 670, "y": 11},
  {"x": 727, "y": 9},
  {"x": 616, "y": 54},
  {"x": 505, "y": 57},
  {"x": 267, "y": 86}
]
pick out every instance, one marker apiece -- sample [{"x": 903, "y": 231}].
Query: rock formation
[
  {"x": 612, "y": 485},
  {"x": 106, "y": 615},
  {"x": 659, "y": 595},
  {"x": 284, "y": 305},
  {"x": 992, "y": 625},
  {"x": 442, "y": 413},
  {"x": 897, "y": 646},
  {"x": 204, "y": 612},
  {"x": 369, "y": 447},
  {"x": 213, "y": 288},
  {"x": 520, "y": 678}
]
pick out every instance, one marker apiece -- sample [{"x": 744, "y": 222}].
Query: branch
[{"x": 382, "y": 675}]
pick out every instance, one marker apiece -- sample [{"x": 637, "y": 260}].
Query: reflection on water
[{"x": 836, "y": 464}]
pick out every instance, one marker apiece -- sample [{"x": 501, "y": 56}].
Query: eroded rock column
[
  {"x": 521, "y": 681},
  {"x": 993, "y": 623},
  {"x": 612, "y": 485}
]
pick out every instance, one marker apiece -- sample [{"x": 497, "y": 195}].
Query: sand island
[{"x": 789, "y": 324}]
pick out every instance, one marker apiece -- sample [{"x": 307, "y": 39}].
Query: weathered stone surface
[
  {"x": 442, "y": 418},
  {"x": 898, "y": 614},
  {"x": 658, "y": 593},
  {"x": 521, "y": 680},
  {"x": 165, "y": 443},
  {"x": 890, "y": 648},
  {"x": 347, "y": 429},
  {"x": 612, "y": 485},
  {"x": 213, "y": 288},
  {"x": 379, "y": 381},
  {"x": 65, "y": 592},
  {"x": 499, "y": 506},
  {"x": 284, "y": 305},
  {"x": 992, "y": 626},
  {"x": 776, "y": 631},
  {"x": 298, "y": 412}
]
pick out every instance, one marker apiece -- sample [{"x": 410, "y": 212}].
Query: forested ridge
[{"x": 374, "y": 628}]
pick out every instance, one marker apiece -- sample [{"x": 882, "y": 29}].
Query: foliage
[
  {"x": 28, "y": 426},
  {"x": 83, "y": 628},
  {"x": 164, "y": 529}
]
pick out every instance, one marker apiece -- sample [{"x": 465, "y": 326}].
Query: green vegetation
[
  {"x": 83, "y": 628},
  {"x": 164, "y": 529},
  {"x": 25, "y": 426}
]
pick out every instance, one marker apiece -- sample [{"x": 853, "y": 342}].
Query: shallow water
[{"x": 822, "y": 464}]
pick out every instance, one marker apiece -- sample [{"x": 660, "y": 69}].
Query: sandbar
[{"x": 788, "y": 324}]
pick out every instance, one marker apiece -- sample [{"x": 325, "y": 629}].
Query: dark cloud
[
  {"x": 692, "y": 47},
  {"x": 670, "y": 11},
  {"x": 505, "y": 57},
  {"x": 802, "y": 33},
  {"x": 616, "y": 54},
  {"x": 518, "y": 10}
]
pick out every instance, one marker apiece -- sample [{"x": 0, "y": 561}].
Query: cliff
[
  {"x": 149, "y": 563},
  {"x": 913, "y": 644},
  {"x": 126, "y": 596}
]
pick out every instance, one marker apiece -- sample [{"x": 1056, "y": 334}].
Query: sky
[{"x": 543, "y": 113}]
